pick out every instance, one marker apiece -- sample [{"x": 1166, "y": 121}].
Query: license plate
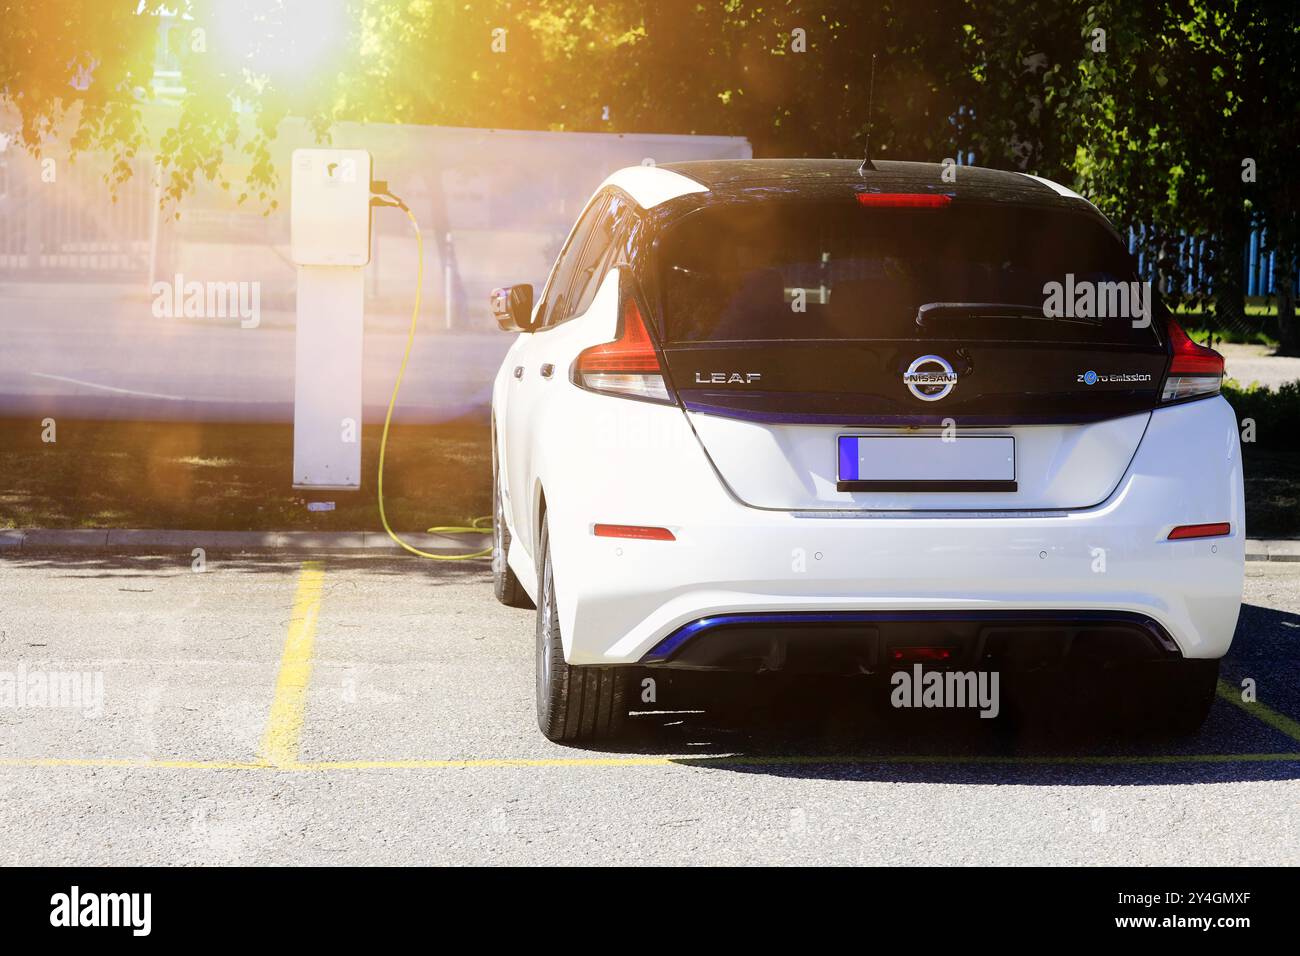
[{"x": 927, "y": 463}]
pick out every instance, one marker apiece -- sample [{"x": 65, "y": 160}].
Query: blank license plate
[{"x": 926, "y": 463}]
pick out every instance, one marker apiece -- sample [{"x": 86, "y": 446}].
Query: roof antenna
[{"x": 871, "y": 92}]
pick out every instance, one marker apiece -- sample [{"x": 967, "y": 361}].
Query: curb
[
  {"x": 114, "y": 541},
  {"x": 1278, "y": 550}
]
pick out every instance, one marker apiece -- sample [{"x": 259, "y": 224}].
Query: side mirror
[{"x": 512, "y": 306}]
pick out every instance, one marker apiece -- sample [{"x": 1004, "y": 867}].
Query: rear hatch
[{"x": 908, "y": 352}]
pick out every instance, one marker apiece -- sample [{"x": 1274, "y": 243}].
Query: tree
[
  {"x": 1154, "y": 123},
  {"x": 792, "y": 76},
  {"x": 1149, "y": 110}
]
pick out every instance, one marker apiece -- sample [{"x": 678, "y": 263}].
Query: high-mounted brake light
[
  {"x": 628, "y": 366},
  {"x": 632, "y": 531},
  {"x": 1217, "y": 530},
  {"x": 1195, "y": 371},
  {"x": 904, "y": 200}
]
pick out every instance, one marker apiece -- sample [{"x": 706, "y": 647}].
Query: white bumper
[{"x": 618, "y": 598}]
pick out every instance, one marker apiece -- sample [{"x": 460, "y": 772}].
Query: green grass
[
  {"x": 1200, "y": 323},
  {"x": 1232, "y": 337},
  {"x": 1272, "y": 460},
  {"x": 215, "y": 477},
  {"x": 1272, "y": 492}
]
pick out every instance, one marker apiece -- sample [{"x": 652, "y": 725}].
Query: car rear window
[{"x": 814, "y": 270}]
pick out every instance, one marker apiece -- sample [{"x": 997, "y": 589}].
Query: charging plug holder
[{"x": 329, "y": 222}]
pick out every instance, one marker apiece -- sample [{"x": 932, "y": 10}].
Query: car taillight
[
  {"x": 1195, "y": 370},
  {"x": 628, "y": 366}
]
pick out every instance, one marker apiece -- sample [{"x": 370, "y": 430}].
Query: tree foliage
[{"x": 1150, "y": 110}]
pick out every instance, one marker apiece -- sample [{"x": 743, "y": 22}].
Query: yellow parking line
[
  {"x": 503, "y": 762},
  {"x": 284, "y": 725},
  {"x": 1279, "y": 722},
  {"x": 281, "y": 742},
  {"x": 730, "y": 760},
  {"x": 739, "y": 760}
]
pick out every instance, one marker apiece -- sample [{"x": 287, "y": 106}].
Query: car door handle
[
  {"x": 519, "y": 371},
  {"x": 548, "y": 370}
]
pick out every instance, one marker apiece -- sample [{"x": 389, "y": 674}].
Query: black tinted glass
[{"x": 799, "y": 270}]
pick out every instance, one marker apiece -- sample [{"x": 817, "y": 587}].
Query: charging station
[{"x": 330, "y": 242}]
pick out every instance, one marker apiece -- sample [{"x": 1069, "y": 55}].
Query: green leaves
[{"x": 1153, "y": 127}]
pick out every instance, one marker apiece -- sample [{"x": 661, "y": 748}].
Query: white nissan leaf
[{"x": 811, "y": 415}]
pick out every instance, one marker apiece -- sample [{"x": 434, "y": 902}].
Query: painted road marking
[
  {"x": 1279, "y": 722},
  {"x": 740, "y": 760},
  {"x": 284, "y": 724},
  {"x": 109, "y": 388}
]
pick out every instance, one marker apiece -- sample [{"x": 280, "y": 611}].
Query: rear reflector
[
  {"x": 1200, "y": 531},
  {"x": 633, "y": 531},
  {"x": 1195, "y": 370},
  {"x": 904, "y": 200},
  {"x": 627, "y": 366},
  {"x": 904, "y": 654}
]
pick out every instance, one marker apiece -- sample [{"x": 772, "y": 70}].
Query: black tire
[
  {"x": 1184, "y": 691},
  {"x": 504, "y": 583},
  {"x": 1165, "y": 697},
  {"x": 574, "y": 703}
]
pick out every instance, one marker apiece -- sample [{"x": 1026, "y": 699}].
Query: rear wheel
[
  {"x": 504, "y": 583},
  {"x": 1182, "y": 693},
  {"x": 574, "y": 703},
  {"x": 1164, "y": 697}
]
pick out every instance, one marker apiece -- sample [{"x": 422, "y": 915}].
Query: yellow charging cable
[{"x": 475, "y": 527}]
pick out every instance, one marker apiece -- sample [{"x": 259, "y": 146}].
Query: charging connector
[{"x": 382, "y": 197}]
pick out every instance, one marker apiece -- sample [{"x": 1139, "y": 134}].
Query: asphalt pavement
[{"x": 368, "y": 709}]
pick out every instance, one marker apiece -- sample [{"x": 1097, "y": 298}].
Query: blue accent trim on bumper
[{"x": 665, "y": 649}]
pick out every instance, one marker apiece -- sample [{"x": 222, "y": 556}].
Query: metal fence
[
  {"x": 495, "y": 206},
  {"x": 1259, "y": 263},
  {"x": 58, "y": 223}
]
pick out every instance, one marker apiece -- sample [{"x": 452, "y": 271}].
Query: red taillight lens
[
  {"x": 1190, "y": 358},
  {"x": 1195, "y": 371},
  {"x": 627, "y": 366},
  {"x": 633, "y": 531},
  {"x": 632, "y": 351},
  {"x": 904, "y": 200},
  {"x": 1217, "y": 530}
]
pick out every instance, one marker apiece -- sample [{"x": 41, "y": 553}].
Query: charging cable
[{"x": 385, "y": 198}]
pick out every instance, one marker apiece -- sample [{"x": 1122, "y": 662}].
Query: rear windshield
[{"x": 798, "y": 270}]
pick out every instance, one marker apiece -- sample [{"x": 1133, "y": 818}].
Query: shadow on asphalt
[{"x": 845, "y": 729}]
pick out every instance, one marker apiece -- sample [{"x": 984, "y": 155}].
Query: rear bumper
[
  {"x": 848, "y": 642},
  {"x": 620, "y": 598},
  {"x": 634, "y": 594}
]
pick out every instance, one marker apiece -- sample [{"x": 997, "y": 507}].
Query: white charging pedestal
[{"x": 330, "y": 239}]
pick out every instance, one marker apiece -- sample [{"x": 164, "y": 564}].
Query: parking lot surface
[{"x": 374, "y": 710}]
